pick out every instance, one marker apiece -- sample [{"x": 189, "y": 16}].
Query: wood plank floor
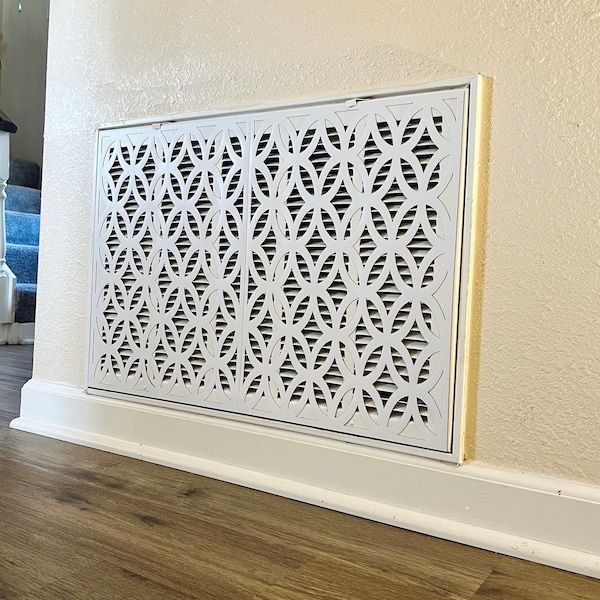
[
  {"x": 15, "y": 370},
  {"x": 78, "y": 523}
]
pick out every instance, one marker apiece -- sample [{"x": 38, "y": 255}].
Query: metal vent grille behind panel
[{"x": 295, "y": 265}]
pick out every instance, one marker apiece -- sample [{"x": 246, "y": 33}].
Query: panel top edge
[{"x": 456, "y": 83}]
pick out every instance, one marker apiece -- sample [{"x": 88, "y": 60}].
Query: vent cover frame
[{"x": 242, "y": 128}]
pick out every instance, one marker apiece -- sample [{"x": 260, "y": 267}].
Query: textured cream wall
[
  {"x": 536, "y": 404},
  {"x": 23, "y": 74}
]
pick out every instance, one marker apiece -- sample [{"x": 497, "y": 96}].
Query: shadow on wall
[{"x": 23, "y": 49}]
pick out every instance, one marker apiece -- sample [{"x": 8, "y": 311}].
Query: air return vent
[{"x": 296, "y": 266}]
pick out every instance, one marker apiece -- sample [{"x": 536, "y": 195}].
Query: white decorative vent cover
[{"x": 299, "y": 265}]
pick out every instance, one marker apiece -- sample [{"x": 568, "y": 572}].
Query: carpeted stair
[
  {"x": 25, "y": 173},
  {"x": 23, "y": 233}
]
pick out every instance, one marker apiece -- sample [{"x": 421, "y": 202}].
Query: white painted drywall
[{"x": 536, "y": 376}]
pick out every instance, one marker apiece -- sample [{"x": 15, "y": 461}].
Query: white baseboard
[
  {"x": 16, "y": 333},
  {"x": 551, "y": 521}
]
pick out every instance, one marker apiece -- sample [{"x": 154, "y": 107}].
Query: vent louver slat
[{"x": 295, "y": 265}]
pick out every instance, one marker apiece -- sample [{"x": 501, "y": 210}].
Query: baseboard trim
[
  {"x": 551, "y": 521},
  {"x": 16, "y": 333}
]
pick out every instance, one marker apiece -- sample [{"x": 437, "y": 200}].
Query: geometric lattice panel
[
  {"x": 297, "y": 265},
  {"x": 168, "y": 262}
]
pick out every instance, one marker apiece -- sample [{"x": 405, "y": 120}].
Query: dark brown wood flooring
[
  {"x": 15, "y": 370},
  {"x": 77, "y": 523}
]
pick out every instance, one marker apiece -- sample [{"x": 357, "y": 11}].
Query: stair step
[
  {"x": 22, "y": 228},
  {"x": 23, "y": 199},
  {"x": 26, "y": 295},
  {"x": 23, "y": 262},
  {"x": 25, "y": 173}
]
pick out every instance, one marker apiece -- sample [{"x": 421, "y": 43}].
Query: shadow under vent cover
[{"x": 298, "y": 266}]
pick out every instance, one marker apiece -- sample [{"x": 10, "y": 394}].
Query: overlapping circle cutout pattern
[{"x": 295, "y": 272}]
